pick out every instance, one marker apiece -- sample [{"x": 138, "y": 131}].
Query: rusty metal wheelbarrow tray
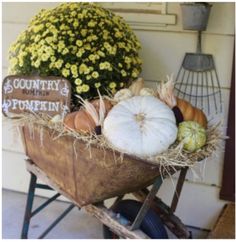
[{"x": 80, "y": 172}]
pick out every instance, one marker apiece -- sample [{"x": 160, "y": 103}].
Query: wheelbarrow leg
[
  {"x": 178, "y": 189},
  {"x": 29, "y": 205},
  {"x": 147, "y": 203}
]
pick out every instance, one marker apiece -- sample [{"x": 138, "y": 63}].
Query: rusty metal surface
[
  {"x": 52, "y": 156},
  {"x": 88, "y": 175}
]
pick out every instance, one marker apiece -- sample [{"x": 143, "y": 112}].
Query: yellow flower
[
  {"x": 14, "y": 61},
  {"x": 91, "y": 23},
  {"x": 101, "y": 53},
  {"x": 65, "y": 72},
  {"x": 79, "y": 42},
  {"x": 74, "y": 72},
  {"x": 97, "y": 84},
  {"x": 123, "y": 73},
  {"x": 85, "y": 88},
  {"x": 80, "y": 53},
  {"x": 106, "y": 45},
  {"x": 37, "y": 38},
  {"x": 107, "y": 65},
  {"x": 95, "y": 74},
  {"x": 78, "y": 81},
  {"x": 112, "y": 85},
  {"x": 83, "y": 32},
  {"x": 118, "y": 34},
  {"x": 65, "y": 51},
  {"x": 80, "y": 15},
  {"x": 134, "y": 73},
  {"x": 83, "y": 69},
  {"x": 58, "y": 63},
  {"x": 121, "y": 45},
  {"x": 37, "y": 63},
  {"x": 113, "y": 50},
  {"x": 87, "y": 47},
  {"x": 97, "y": 57},
  {"x": 79, "y": 89},
  {"x": 45, "y": 57},
  {"x": 73, "y": 13},
  {"x": 127, "y": 60},
  {"x": 68, "y": 65},
  {"x": 73, "y": 68},
  {"x": 37, "y": 28},
  {"x": 102, "y": 66},
  {"x": 94, "y": 37},
  {"x": 88, "y": 77},
  {"x": 92, "y": 57},
  {"x": 61, "y": 45}
]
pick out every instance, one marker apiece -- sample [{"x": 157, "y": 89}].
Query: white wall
[{"x": 163, "y": 49}]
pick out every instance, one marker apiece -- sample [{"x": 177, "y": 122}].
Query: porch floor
[{"x": 76, "y": 225}]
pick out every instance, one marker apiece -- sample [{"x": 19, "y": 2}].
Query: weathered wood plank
[{"x": 109, "y": 218}]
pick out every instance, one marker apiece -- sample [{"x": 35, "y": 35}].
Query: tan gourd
[{"x": 136, "y": 86}]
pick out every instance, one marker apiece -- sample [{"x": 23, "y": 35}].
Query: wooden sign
[{"x": 36, "y": 94}]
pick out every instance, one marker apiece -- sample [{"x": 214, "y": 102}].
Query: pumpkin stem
[
  {"x": 139, "y": 117},
  {"x": 98, "y": 130}
]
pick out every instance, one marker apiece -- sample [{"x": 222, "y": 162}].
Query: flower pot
[{"x": 195, "y": 15}]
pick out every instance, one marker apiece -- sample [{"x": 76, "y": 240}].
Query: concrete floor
[{"x": 76, "y": 225}]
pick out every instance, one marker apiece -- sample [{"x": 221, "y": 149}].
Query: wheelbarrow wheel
[{"x": 151, "y": 224}]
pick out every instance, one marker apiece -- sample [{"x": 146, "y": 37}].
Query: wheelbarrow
[{"x": 88, "y": 176}]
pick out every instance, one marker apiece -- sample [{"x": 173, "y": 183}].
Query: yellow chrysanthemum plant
[{"x": 88, "y": 45}]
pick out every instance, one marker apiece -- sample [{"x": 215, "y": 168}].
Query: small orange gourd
[{"x": 191, "y": 113}]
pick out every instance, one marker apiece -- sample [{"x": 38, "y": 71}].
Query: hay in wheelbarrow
[{"x": 89, "y": 170}]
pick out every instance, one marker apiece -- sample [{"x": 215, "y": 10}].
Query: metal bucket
[{"x": 195, "y": 16}]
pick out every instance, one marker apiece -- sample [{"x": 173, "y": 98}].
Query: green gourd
[{"x": 192, "y": 134}]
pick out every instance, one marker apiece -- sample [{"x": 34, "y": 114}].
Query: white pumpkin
[{"x": 142, "y": 126}]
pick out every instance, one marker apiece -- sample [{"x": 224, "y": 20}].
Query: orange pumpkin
[
  {"x": 84, "y": 122},
  {"x": 107, "y": 103},
  {"x": 191, "y": 113},
  {"x": 69, "y": 120},
  {"x": 80, "y": 121}
]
